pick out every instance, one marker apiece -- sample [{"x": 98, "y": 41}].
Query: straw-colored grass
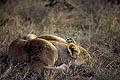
[{"x": 92, "y": 23}]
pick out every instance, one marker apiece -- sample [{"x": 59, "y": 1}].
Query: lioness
[
  {"x": 38, "y": 53},
  {"x": 41, "y": 53},
  {"x": 68, "y": 51}
]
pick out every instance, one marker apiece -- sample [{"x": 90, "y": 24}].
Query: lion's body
[
  {"x": 17, "y": 52},
  {"x": 49, "y": 37},
  {"x": 46, "y": 51},
  {"x": 63, "y": 52},
  {"x": 41, "y": 52},
  {"x": 66, "y": 48}
]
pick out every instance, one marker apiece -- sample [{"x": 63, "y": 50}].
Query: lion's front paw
[{"x": 62, "y": 67}]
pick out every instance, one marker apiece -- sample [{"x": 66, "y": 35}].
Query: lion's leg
[{"x": 62, "y": 67}]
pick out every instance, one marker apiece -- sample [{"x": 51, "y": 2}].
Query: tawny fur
[
  {"x": 52, "y": 37},
  {"x": 36, "y": 51},
  {"x": 77, "y": 55},
  {"x": 68, "y": 49},
  {"x": 17, "y": 53},
  {"x": 45, "y": 53},
  {"x": 45, "y": 36}
]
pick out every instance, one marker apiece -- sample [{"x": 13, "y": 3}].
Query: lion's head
[{"x": 79, "y": 53}]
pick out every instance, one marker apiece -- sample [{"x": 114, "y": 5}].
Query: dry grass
[{"x": 93, "y": 24}]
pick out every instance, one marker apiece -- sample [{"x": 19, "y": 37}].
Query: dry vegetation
[{"x": 92, "y": 23}]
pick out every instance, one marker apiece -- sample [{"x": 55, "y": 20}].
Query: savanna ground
[{"x": 94, "y": 24}]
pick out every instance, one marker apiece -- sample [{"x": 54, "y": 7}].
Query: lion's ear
[
  {"x": 73, "y": 50},
  {"x": 70, "y": 40}
]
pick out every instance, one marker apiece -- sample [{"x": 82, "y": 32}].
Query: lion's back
[{"x": 51, "y": 37}]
